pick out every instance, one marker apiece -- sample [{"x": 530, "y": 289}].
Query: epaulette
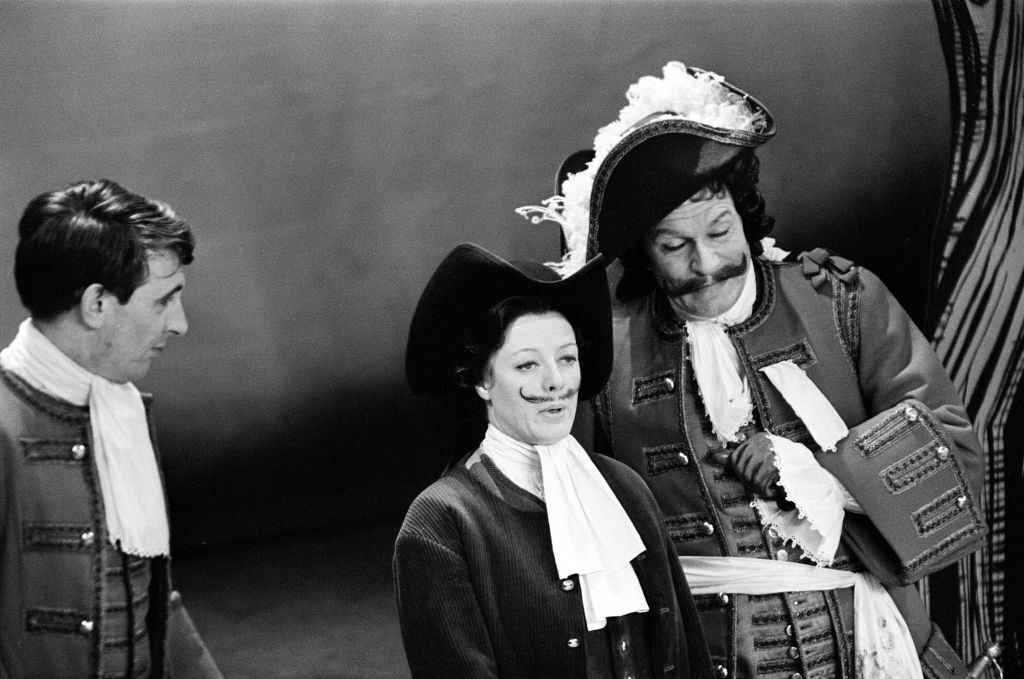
[{"x": 819, "y": 262}]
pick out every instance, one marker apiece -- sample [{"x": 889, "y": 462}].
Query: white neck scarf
[
  {"x": 133, "y": 497},
  {"x": 723, "y": 385},
  {"x": 591, "y": 534}
]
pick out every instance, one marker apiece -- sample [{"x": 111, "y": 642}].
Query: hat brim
[
  {"x": 469, "y": 281},
  {"x": 656, "y": 167}
]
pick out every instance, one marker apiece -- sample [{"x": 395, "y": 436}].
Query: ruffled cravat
[
  {"x": 722, "y": 384},
  {"x": 816, "y": 524},
  {"x": 133, "y": 497},
  {"x": 591, "y": 534}
]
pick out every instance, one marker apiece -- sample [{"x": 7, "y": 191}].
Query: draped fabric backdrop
[{"x": 976, "y": 308}]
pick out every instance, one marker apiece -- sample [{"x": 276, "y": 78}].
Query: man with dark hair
[
  {"x": 810, "y": 455},
  {"x": 85, "y": 586}
]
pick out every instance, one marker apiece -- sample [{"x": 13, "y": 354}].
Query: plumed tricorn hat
[
  {"x": 471, "y": 280},
  {"x": 677, "y": 134}
]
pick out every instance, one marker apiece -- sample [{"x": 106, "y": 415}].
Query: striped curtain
[{"x": 976, "y": 307}]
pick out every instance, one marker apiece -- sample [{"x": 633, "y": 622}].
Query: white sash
[{"x": 882, "y": 641}]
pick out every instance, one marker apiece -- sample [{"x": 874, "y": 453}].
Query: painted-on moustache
[{"x": 564, "y": 396}]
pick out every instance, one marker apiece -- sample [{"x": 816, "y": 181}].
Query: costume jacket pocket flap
[{"x": 904, "y": 471}]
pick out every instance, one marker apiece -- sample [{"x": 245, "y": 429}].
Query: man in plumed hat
[{"x": 810, "y": 454}]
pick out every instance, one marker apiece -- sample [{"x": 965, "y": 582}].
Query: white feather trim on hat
[{"x": 700, "y": 97}]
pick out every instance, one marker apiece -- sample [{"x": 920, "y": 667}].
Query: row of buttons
[
  {"x": 941, "y": 452},
  {"x": 793, "y": 651},
  {"x": 568, "y": 585}
]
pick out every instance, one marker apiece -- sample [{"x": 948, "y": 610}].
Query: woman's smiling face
[{"x": 532, "y": 380}]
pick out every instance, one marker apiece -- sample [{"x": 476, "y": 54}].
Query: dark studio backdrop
[{"x": 328, "y": 155}]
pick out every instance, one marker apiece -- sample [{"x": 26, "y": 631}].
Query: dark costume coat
[
  {"x": 71, "y": 605},
  {"x": 911, "y": 459},
  {"x": 479, "y": 593}
]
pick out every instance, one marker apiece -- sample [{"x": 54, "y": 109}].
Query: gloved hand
[{"x": 753, "y": 461}]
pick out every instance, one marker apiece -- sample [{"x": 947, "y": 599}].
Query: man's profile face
[
  {"x": 136, "y": 331},
  {"x": 698, "y": 256}
]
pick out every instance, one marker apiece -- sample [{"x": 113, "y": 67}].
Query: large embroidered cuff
[
  {"x": 904, "y": 470},
  {"x": 816, "y": 524}
]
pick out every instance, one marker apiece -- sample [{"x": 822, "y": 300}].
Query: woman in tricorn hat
[{"x": 531, "y": 558}]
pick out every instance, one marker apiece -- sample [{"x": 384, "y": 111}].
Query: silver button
[
  {"x": 911, "y": 413},
  {"x": 942, "y": 452},
  {"x": 669, "y": 383},
  {"x": 782, "y": 555},
  {"x": 789, "y": 630},
  {"x": 961, "y": 501},
  {"x": 574, "y": 643},
  {"x": 78, "y": 451},
  {"x": 707, "y": 528},
  {"x": 794, "y": 652},
  {"x": 741, "y": 437},
  {"x": 623, "y": 645},
  {"x": 683, "y": 458},
  {"x": 567, "y": 585},
  {"x": 796, "y": 675},
  {"x": 723, "y": 599},
  {"x": 88, "y": 538},
  {"x": 85, "y": 627},
  {"x": 721, "y": 671}
]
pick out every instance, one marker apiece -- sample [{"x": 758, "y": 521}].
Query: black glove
[{"x": 753, "y": 461}]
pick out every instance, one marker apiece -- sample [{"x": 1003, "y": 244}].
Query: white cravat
[
  {"x": 133, "y": 496},
  {"x": 816, "y": 523},
  {"x": 723, "y": 385},
  {"x": 591, "y": 534}
]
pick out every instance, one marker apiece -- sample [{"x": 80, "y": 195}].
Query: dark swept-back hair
[
  {"x": 741, "y": 181},
  {"x": 485, "y": 334},
  {"x": 91, "y": 232}
]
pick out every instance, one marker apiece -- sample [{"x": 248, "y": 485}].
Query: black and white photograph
[{"x": 511, "y": 339}]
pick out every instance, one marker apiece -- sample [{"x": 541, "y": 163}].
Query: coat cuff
[{"x": 904, "y": 469}]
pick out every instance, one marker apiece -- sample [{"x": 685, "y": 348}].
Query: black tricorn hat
[
  {"x": 660, "y": 162},
  {"x": 470, "y": 280}
]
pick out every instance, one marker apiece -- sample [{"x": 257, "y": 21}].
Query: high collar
[{"x": 40, "y": 400}]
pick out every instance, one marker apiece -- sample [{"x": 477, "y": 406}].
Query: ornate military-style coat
[
  {"x": 911, "y": 460},
  {"x": 71, "y": 604}
]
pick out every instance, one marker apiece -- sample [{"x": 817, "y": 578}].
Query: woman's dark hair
[
  {"x": 741, "y": 181},
  {"x": 485, "y": 334},
  {"x": 91, "y": 232}
]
